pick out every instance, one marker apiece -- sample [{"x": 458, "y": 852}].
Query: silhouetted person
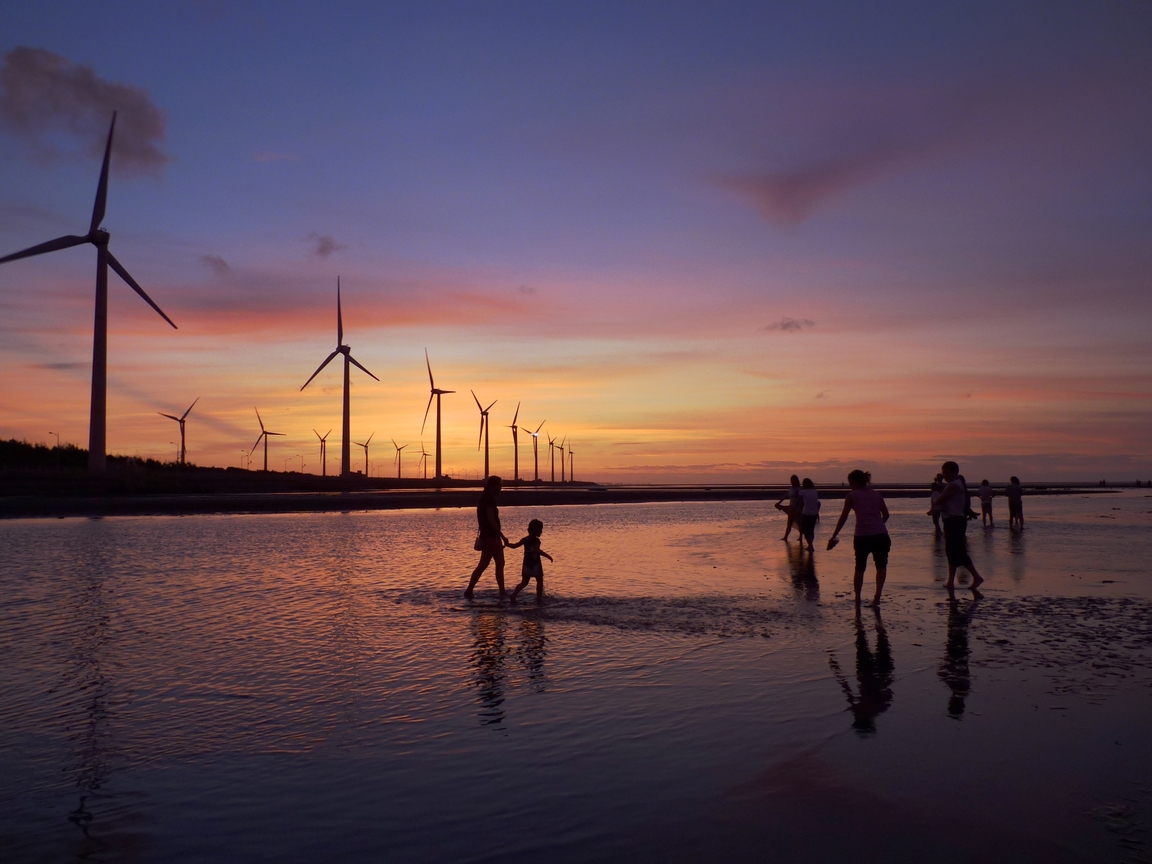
[
  {"x": 533, "y": 567},
  {"x": 986, "y": 495},
  {"x": 937, "y": 487},
  {"x": 871, "y": 535},
  {"x": 954, "y": 667},
  {"x": 491, "y": 540},
  {"x": 793, "y": 507},
  {"x": 953, "y": 506},
  {"x": 873, "y": 677},
  {"x": 1015, "y": 493},
  {"x": 809, "y": 512}
]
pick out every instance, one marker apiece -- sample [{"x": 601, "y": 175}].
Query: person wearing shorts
[
  {"x": 809, "y": 511},
  {"x": 953, "y": 508},
  {"x": 1015, "y": 493},
  {"x": 986, "y": 495},
  {"x": 871, "y": 535},
  {"x": 490, "y": 540}
]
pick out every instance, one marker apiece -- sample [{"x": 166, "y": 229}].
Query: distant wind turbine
[
  {"x": 365, "y": 446},
  {"x": 552, "y": 456},
  {"x": 323, "y": 452},
  {"x": 424, "y": 454},
  {"x": 483, "y": 429},
  {"x": 571, "y": 464},
  {"x": 264, "y": 433},
  {"x": 436, "y": 393},
  {"x": 181, "y": 420},
  {"x": 341, "y": 348},
  {"x": 515, "y": 445},
  {"x": 536, "y": 450},
  {"x": 98, "y": 237},
  {"x": 560, "y": 447},
  {"x": 399, "y": 450}
]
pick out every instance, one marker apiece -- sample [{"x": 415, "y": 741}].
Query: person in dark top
[{"x": 491, "y": 541}]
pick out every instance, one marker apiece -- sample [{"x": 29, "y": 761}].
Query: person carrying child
[{"x": 533, "y": 568}]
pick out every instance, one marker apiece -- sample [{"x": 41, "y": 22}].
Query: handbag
[{"x": 479, "y": 544}]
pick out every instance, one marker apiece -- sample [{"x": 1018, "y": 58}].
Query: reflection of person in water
[
  {"x": 873, "y": 677},
  {"x": 803, "y": 570},
  {"x": 954, "y": 667},
  {"x": 488, "y": 665},
  {"x": 533, "y": 652}
]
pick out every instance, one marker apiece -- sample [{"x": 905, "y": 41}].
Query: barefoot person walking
[
  {"x": 953, "y": 506},
  {"x": 793, "y": 508},
  {"x": 490, "y": 541},
  {"x": 871, "y": 536}
]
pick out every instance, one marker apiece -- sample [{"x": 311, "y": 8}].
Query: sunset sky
[{"x": 703, "y": 241}]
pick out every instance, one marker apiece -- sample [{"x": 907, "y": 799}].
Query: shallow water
[{"x": 312, "y": 687}]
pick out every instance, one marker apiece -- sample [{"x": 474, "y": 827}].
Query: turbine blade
[
  {"x": 275, "y": 433},
  {"x": 169, "y": 416},
  {"x": 473, "y": 392},
  {"x": 357, "y": 364},
  {"x": 339, "y": 316},
  {"x": 127, "y": 277},
  {"x": 393, "y": 440},
  {"x": 329, "y": 432},
  {"x": 259, "y": 419},
  {"x": 190, "y": 407},
  {"x": 65, "y": 242},
  {"x": 516, "y": 415},
  {"x": 320, "y": 368},
  {"x": 489, "y": 408},
  {"x": 481, "y": 438},
  {"x": 102, "y": 188},
  {"x": 369, "y": 441},
  {"x": 429, "y": 364},
  {"x": 446, "y": 392},
  {"x": 541, "y": 426},
  {"x": 426, "y": 410},
  {"x": 317, "y": 434},
  {"x": 257, "y": 444}
]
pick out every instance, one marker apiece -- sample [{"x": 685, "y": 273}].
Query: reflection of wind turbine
[
  {"x": 483, "y": 429},
  {"x": 365, "y": 446},
  {"x": 552, "y": 456},
  {"x": 560, "y": 447},
  {"x": 341, "y": 348},
  {"x": 515, "y": 445},
  {"x": 323, "y": 452},
  {"x": 181, "y": 420},
  {"x": 98, "y": 237},
  {"x": 536, "y": 450},
  {"x": 264, "y": 433},
  {"x": 436, "y": 393},
  {"x": 571, "y": 464},
  {"x": 399, "y": 450}
]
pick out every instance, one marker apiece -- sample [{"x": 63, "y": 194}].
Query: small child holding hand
[{"x": 533, "y": 568}]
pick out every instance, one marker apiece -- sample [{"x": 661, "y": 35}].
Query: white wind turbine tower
[
  {"x": 98, "y": 237},
  {"x": 341, "y": 348},
  {"x": 399, "y": 450},
  {"x": 536, "y": 450},
  {"x": 483, "y": 429},
  {"x": 264, "y": 433},
  {"x": 436, "y": 393},
  {"x": 181, "y": 420}
]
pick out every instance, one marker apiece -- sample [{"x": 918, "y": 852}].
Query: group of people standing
[{"x": 950, "y": 507}]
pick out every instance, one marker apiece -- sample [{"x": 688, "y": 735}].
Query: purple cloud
[
  {"x": 324, "y": 244},
  {"x": 790, "y": 325},
  {"x": 42, "y": 93},
  {"x": 216, "y": 264}
]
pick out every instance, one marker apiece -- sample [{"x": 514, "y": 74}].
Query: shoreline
[{"x": 189, "y": 504}]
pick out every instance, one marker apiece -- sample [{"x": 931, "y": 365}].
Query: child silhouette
[{"x": 533, "y": 568}]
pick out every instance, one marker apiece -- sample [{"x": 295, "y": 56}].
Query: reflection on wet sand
[
  {"x": 488, "y": 650},
  {"x": 532, "y": 653},
  {"x": 802, "y": 567},
  {"x": 954, "y": 667},
  {"x": 873, "y": 676}
]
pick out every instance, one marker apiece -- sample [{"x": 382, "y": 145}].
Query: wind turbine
[
  {"x": 535, "y": 450},
  {"x": 437, "y": 393},
  {"x": 264, "y": 433},
  {"x": 181, "y": 420},
  {"x": 98, "y": 237},
  {"x": 483, "y": 429},
  {"x": 323, "y": 452},
  {"x": 515, "y": 445},
  {"x": 560, "y": 447},
  {"x": 571, "y": 464},
  {"x": 365, "y": 446},
  {"x": 552, "y": 456},
  {"x": 341, "y": 348},
  {"x": 398, "y": 452},
  {"x": 424, "y": 458}
]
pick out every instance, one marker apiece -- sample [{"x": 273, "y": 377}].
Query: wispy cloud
[
  {"x": 323, "y": 245},
  {"x": 790, "y": 325},
  {"x": 527, "y": 289},
  {"x": 42, "y": 93},
  {"x": 216, "y": 264}
]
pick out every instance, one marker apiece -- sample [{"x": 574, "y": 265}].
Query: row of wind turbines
[{"x": 99, "y": 237}]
